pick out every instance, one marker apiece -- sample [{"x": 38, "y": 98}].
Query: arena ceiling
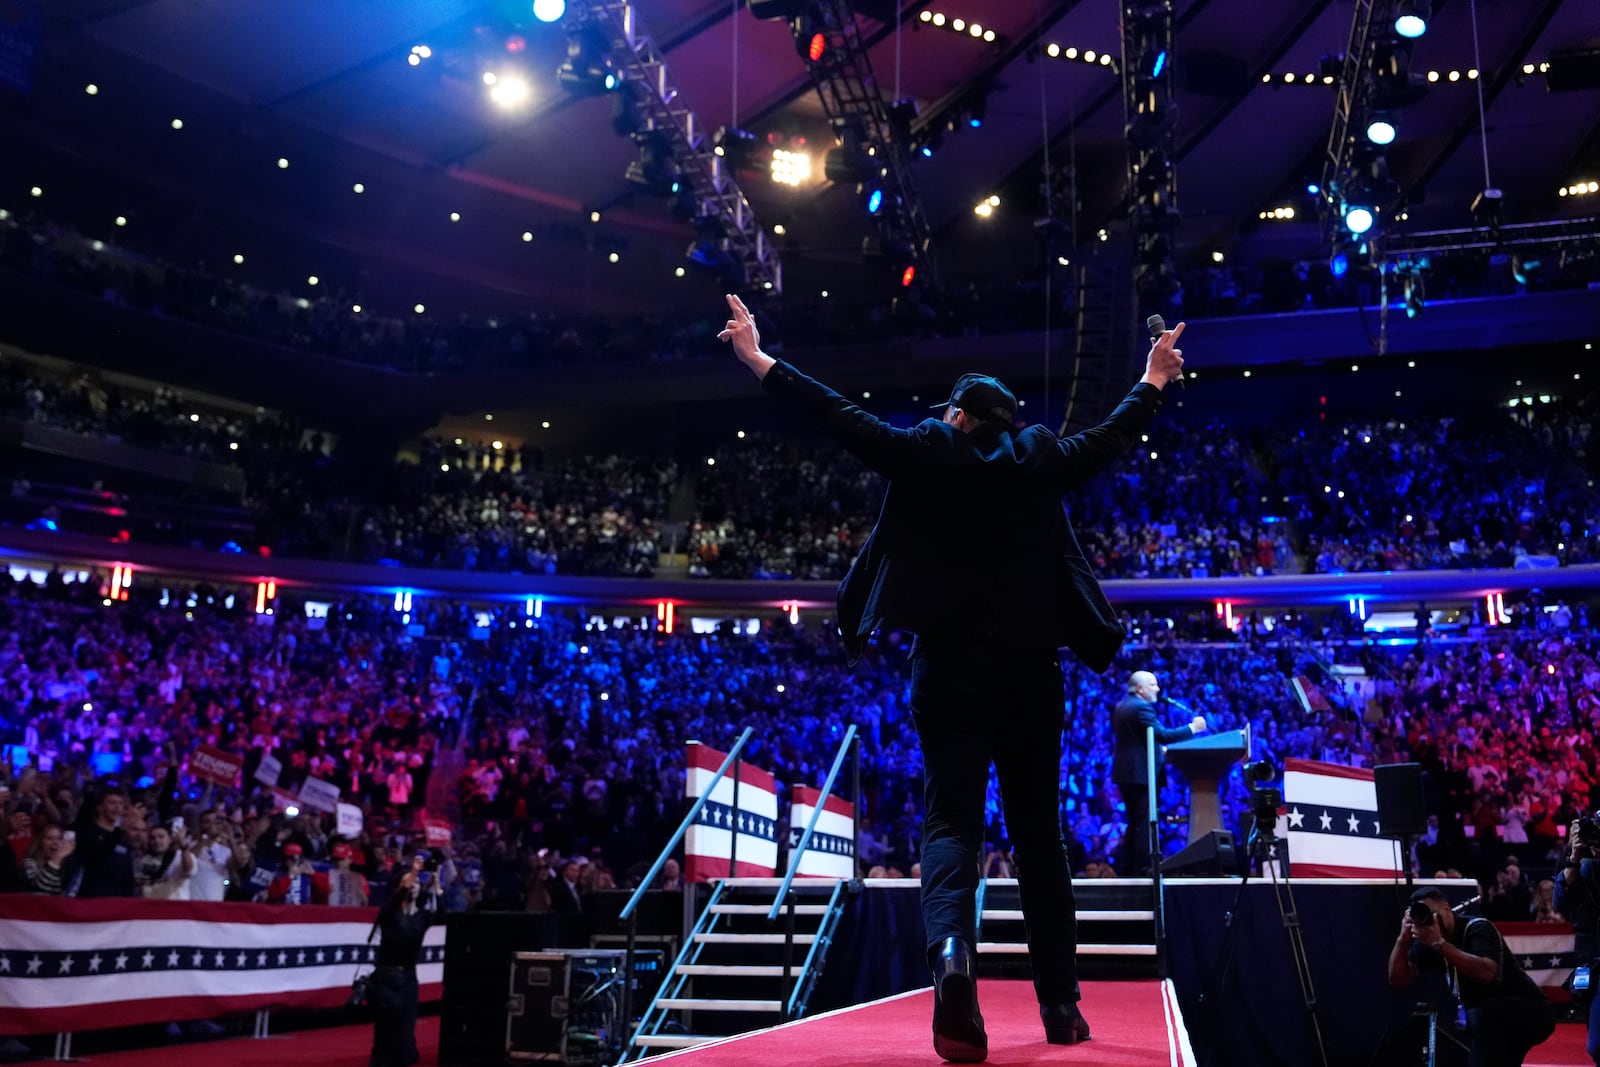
[{"x": 335, "y": 82}]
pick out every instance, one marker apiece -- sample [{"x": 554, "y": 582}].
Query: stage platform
[{"x": 1134, "y": 1024}]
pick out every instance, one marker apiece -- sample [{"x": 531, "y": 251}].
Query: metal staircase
[
  {"x": 739, "y": 972},
  {"x": 1116, "y": 929}
]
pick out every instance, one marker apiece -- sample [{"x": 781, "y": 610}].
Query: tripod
[{"x": 1262, "y": 847}]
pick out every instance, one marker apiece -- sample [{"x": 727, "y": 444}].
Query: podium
[{"x": 1204, "y": 761}]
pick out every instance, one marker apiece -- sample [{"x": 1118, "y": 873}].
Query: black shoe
[
  {"x": 1064, "y": 1024},
  {"x": 958, "y": 1034}
]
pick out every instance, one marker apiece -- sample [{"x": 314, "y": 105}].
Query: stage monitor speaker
[
  {"x": 1212, "y": 855},
  {"x": 1401, "y": 810}
]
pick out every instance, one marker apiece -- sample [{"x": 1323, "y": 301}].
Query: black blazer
[
  {"x": 1128, "y": 722},
  {"x": 974, "y": 520}
]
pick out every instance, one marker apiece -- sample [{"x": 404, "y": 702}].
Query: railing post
[
  {"x": 733, "y": 829},
  {"x": 788, "y": 958},
  {"x": 627, "y": 987},
  {"x": 855, "y": 828},
  {"x": 1153, "y": 833}
]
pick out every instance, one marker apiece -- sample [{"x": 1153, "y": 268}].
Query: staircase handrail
[
  {"x": 811, "y": 825},
  {"x": 688, "y": 821}
]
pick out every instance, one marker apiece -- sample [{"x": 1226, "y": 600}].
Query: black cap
[{"x": 982, "y": 397}]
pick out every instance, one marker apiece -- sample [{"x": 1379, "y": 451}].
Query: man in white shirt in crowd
[{"x": 210, "y": 878}]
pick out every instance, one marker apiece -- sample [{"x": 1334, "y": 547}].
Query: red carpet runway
[
  {"x": 1130, "y": 1026},
  {"x": 1135, "y": 1024}
]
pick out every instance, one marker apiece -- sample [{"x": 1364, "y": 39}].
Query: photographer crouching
[
  {"x": 1578, "y": 901},
  {"x": 1507, "y": 1013}
]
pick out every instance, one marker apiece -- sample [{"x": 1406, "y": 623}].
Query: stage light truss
[
  {"x": 855, "y": 106},
  {"x": 1572, "y": 234},
  {"x": 1150, "y": 112},
  {"x": 662, "y": 108},
  {"x": 1354, "y": 94}
]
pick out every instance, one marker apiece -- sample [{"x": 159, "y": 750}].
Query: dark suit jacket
[
  {"x": 974, "y": 521},
  {"x": 564, "y": 899},
  {"x": 1128, "y": 722}
]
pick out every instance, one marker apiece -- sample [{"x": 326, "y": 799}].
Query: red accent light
[
  {"x": 516, "y": 43},
  {"x": 265, "y": 550},
  {"x": 800, "y": 140},
  {"x": 908, "y": 276},
  {"x": 819, "y": 45},
  {"x": 124, "y": 535},
  {"x": 1322, "y": 400}
]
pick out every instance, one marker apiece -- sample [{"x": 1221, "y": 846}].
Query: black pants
[
  {"x": 392, "y": 993},
  {"x": 1505, "y": 1030},
  {"x": 1136, "y": 845},
  {"x": 973, "y": 706}
]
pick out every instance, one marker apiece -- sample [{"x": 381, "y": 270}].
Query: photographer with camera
[
  {"x": 1507, "y": 1013},
  {"x": 1578, "y": 901},
  {"x": 403, "y": 922}
]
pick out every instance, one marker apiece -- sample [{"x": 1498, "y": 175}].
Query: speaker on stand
[{"x": 1402, "y": 812}]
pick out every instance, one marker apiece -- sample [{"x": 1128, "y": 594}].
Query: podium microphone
[
  {"x": 1158, "y": 326},
  {"x": 1180, "y": 705}
]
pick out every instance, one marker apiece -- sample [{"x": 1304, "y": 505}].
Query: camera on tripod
[{"x": 1265, "y": 799}]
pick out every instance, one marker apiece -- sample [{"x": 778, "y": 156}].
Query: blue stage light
[
  {"x": 1358, "y": 219},
  {"x": 1340, "y": 265},
  {"x": 549, "y": 10},
  {"x": 927, "y": 151},
  {"x": 975, "y": 122},
  {"x": 1313, "y": 189},
  {"x": 875, "y": 202},
  {"x": 1161, "y": 64}
]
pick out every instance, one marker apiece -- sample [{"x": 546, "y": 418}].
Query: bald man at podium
[{"x": 1134, "y": 717}]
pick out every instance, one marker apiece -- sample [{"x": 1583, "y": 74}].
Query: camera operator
[
  {"x": 403, "y": 922},
  {"x": 1507, "y": 1013},
  {"x": 1578, "y": 901}
]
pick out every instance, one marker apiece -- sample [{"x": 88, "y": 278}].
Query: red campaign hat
[
  {"x": 343, "y": 852},
  {"x": 292, "y": 849}
]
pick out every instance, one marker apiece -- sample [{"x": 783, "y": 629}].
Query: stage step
[
  {"x": 764, "y": 909},
  {"x": 674, "y": 1040},
  {"x": 735, "y": 970},
  {"x": 752, "y": 939},
  {"x": 713, "y": 1004},
  {"x": 1083, "y": 916},
  {"x": 1016, "y": 948}
]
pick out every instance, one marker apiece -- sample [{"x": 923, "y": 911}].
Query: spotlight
[
  {"x": 790, "y": 168},
  {"x": 734, "y": 145},
  {"x": 510, "y": 91},
  {"x": 587, "y": 71},
  {"x": 1358, "y": 219},
  {"x": 817, "y": 48},
  {"x": 1380, "y": 130},
  {"x": 655, "y": 169},
  {"x": 1411, "y": 17},
  {"x": 549, "y": 10},
  {"x": 1486, "y": 208}
]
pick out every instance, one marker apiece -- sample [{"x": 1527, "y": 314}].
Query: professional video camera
[
  {"x": 1589, "y": 831},
  {"x": 1265, "y": 800}
]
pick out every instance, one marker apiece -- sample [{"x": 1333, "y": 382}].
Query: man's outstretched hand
[
  {"x": 741, "y": 332},
  {"x": 1165, "y": 363}
]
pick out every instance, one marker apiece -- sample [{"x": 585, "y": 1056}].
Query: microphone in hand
[{"x": 1158, "y": 326}]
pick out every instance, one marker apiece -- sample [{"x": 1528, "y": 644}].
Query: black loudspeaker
[
  {"x": 1212, "y": 856},
  {"x": 1400, "y": 806}
]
